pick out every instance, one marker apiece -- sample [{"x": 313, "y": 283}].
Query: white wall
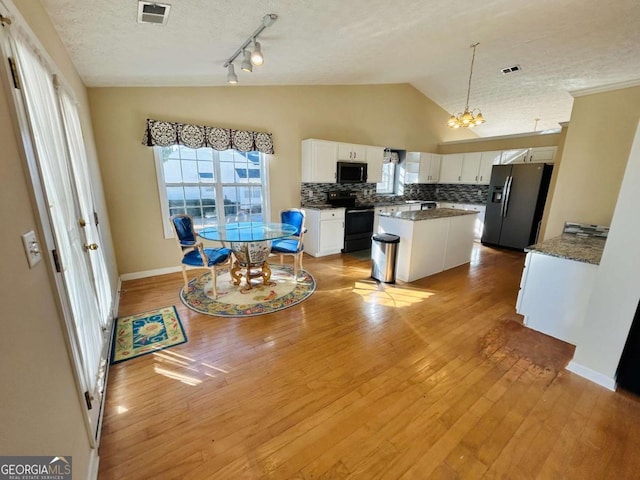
[{"x": 616, "y": 293}]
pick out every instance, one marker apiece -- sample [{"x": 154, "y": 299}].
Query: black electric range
[{"x": 358, "y": 222}]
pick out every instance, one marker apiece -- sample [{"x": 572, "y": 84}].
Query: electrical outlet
[
  {"x": 310, "y": 194},
  {"x": 31, "y": 248},
  {"x": 479, "y": 192}
]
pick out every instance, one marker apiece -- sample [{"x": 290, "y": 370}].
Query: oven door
[{"x": 358, "y": 229}]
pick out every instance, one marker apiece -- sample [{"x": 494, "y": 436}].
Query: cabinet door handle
[
  {"x": 476, "y": 178},
  {"x": 459, "y": 178}
]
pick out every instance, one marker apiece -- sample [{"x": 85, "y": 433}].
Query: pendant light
[{"x": 468, "y": 118}]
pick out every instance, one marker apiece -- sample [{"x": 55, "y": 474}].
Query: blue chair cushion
[
  {"x": 287, "y": 245},
  {"x": 216, "y": 256}
]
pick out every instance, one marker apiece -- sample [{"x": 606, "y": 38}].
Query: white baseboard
[
  {"x": 94, "y": 461},
  {"x": 592, "y": 375},
  {"x": 149, "y": 273}
]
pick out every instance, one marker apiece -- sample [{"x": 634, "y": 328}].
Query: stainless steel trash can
[{"x": 384, "y": 250}]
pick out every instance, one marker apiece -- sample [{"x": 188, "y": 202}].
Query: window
[
  {"x": 388, "y": 178},
  {"x": 200, "y": 181}
]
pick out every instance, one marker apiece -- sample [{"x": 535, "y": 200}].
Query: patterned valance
[{"x": 164, "y": 134}]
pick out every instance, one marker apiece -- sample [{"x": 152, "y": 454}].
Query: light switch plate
[{"x": 31, "y": 248}]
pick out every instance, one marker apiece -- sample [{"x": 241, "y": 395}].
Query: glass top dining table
[
  {"x": 247, "y": 232},
  {"x": 250, "y": 243}
]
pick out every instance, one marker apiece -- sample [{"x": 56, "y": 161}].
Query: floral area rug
[
  {"x": 281, "y": 291},
  {"x": 146, "y": 332}
]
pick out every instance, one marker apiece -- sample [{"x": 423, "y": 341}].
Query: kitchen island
[
  {"x": 430, "y": 240},
  {"x": 557, "y": 281}
]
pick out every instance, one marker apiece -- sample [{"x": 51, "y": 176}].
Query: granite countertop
[
  {"x": 572, "y": 247},
  {"x": 416, "y": 215}
]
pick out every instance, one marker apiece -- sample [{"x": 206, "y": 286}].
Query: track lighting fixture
[{"x": 250, "y": 58}]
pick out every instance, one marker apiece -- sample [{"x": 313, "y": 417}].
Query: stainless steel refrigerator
[{"x": 515, "y": 203}]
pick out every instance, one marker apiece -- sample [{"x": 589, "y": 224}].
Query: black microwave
[{"x": 352, "y": 172}]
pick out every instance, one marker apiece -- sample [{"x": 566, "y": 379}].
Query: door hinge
[
  {"x": 87, "y": 399},
  {"x": 56, "y": 260},
  {"x": 14, "y": 73},
  {"x": 95, "y": 217}
]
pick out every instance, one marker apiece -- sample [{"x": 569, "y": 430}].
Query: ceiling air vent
[
  {"x": 150, "y": 12},
  {"x": 513, "y": 68}
]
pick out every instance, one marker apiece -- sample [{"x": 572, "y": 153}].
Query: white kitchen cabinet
[
  {"x": 450, "y": 205},
  {"x": 451, "y": 168},
  {"x": 376, "y": 217},
  {"x": 479, "y": 225},
  {"x": 543, "y": 154},
  {"x": 325, "y": 231},
  {"x": 430, "y": 167},
  {"x": 554, "y": 295},
  {"x": 529, "y": 155},
  {"x": 470, "y": 167},
  {"x": 487, "y": 161},
  {"x": 404, "y": 208},
  {"x": 421, "y": 167},
  {"x": 352, "y": 153},
  {"x": 319, "y": 161},
  {"x": 375, "y": 156}
]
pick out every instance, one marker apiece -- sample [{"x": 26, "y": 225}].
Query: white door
[{"x": 59, "y": 201}]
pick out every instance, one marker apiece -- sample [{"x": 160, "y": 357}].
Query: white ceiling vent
[
  {"x": 512, "y": 69},
  {"x": 150, "y": 12}
]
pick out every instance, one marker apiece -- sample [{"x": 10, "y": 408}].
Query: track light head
[
  {"x": 246, "y": 64},
  {"x": 256, "y": 55},
  {"x": 231, "y": 74}
]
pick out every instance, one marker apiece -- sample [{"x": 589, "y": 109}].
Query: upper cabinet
[
  {"x": 529, "y": 155},
  {"x": 451, "y": 168},
  {"x": 319, "y": 161},
  {"x": 470, "y": 167},
  {"x": 352, "y": 153},
  {"x": 487, "y": 161},
  {"x": 420, "y": 167},
  {"x": 375, "y": 157}
]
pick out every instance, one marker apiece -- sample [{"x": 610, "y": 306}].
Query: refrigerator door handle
[
  {"x": 504, "y": 196},
  {"x": 507, "y": 195}
]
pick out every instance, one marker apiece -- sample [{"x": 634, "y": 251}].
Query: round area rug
[{"x": 280, "y": 292}]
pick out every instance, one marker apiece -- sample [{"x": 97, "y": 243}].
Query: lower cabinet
[
  {"x": 554, "y": 295},
  {"x": 325, "y": 231}
]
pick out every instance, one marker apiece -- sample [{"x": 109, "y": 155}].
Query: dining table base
[{"x": 249, "y": 262}]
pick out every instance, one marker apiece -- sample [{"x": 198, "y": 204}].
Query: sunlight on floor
[
  {"x": 177, "y": 376},
  {"x": 389, "y": 295},
  {"x": 121, "y": 409}
]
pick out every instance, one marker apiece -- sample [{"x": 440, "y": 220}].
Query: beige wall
[
  {"x": 501, "y": 143},
  {"x": 596, "y": 150},
  {"x": 389, "y": 115},
  {"x": 42, "y": 413}
]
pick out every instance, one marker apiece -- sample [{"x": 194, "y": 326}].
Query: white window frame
[
  {"x": 164, "y": 201},
  {"x": 387, "y": 186}
]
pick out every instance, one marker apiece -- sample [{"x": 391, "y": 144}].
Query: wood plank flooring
[{"x": 436, "y": 379}]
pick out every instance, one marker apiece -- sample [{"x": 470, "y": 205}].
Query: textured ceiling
[{"x": 561, "y": 46}]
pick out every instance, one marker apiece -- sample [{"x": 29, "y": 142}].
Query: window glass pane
[
  {"x": 208, "y": 196},
  {"x": 175, "y": 196},
  {"x": 170, "y": 153},
  {"x": 204, "y": 154},
  {"x": 187, "y": 153},
  {"x": 190, "y": 171},
  {"x": 172, "y": 171},
  {"x": 227, "y": 171},
  {"x": 206, "y": 172}
]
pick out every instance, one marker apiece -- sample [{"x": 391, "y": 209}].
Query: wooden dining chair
[
  {"x": 193, "y": 252},
  {"x": 292, "y": 245}
]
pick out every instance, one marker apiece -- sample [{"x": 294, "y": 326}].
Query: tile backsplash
[{"x": 442, "y": 192}]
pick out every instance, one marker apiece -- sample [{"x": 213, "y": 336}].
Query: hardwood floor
[{"x": 432, "y": 379}]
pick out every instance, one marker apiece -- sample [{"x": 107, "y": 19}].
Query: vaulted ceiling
[{"x": 560, "y": 45}]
